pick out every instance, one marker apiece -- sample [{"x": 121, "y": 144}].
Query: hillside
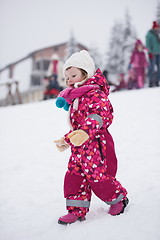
[{"x": 32, "y": 171}]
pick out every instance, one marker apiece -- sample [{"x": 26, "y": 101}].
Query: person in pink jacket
[
  {"x": 138, "y": 64},
  {"x": 93, "y": 164}
]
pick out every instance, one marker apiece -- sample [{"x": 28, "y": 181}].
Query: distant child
[
  {"x": 138, "y": 64},
  {"x": 93, "y": 164},
  {"x": 132, "y": 80}
]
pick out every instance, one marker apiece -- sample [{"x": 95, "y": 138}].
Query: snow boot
[
  {"x": 69, "y": 218},
  {"x": 118, "y": 208}
]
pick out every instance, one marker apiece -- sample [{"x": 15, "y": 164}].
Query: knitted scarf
[{"x": 68, "y": 95}]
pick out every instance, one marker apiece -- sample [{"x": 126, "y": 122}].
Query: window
[
  {"x": 35, "y": 80},
  {"x": 41, "y": 65}
]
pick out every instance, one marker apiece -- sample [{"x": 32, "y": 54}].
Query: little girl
[
  {"x": 138, "y": 64},
  {"x": 93, "y": 164}
]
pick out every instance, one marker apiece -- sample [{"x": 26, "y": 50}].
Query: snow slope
[{"x": 32, "y": 171}]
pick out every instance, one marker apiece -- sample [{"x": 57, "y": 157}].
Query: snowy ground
[{"x": 32, "y": 171}]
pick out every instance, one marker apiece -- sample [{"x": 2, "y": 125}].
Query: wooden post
[
  {"x": 9, "y": 98},
  {"x": 17, "y": 93}
]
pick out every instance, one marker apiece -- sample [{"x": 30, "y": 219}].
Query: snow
[{"x": 32, "y": 171}]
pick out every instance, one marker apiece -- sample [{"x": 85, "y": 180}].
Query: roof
[
  {"x": 30, "y": 55},
  {"x": 36, "y": 51}
]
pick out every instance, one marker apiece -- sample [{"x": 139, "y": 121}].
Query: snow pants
[
  {"x": 154, "y": 70},
  {"x": 140, "y": 76},
  {"x": 88, "y": 171}
]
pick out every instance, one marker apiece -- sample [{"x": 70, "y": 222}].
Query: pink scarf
[{"x": 69, "y": 94}]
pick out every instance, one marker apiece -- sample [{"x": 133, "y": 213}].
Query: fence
[{"x": 13, "y": 95}]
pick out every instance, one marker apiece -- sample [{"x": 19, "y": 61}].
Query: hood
[
  {"x": 100, "y": 80},
  {"x": 54, "y": 57},
  {"x": 138, "y": 42}
]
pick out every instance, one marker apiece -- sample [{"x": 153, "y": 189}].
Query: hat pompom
[{"x": 61, "y": 103}]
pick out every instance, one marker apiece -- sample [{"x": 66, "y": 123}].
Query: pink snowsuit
[
  {"x": 93, "y": 165},
  {"x": 139, "y": 63}
]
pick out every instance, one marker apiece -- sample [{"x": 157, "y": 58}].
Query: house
[{"x": 30, "y": 71}]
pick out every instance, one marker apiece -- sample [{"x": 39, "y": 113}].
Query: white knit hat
[{"x": 81, "y": 60}]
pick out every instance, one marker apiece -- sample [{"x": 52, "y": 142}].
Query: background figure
[
  {"x": 131, "y": 82},
  {"x": 105, "y": 74},
  {"x": 54, "y": 82},
  {"x": 52, "y": 88},
  {"x": 55, "y": 71},
  {"x": 122, "y": 83},
  {"x": 137, "y": 66},
  {"x": 153, "y": 45}
]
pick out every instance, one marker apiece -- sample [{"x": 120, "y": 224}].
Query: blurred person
[
  {"x": 51, "y": 88},
  {"x": 106, "y": 75},
  {"x": 93, "y": 164},
  {"x": 153, "y": 45},
  {"x": 137, "y": 67},
  {"x": 53, "y": 81},
  {"x": 55, "y": 72},
  {"x": 131, "y": 80},
  {"x": 122, "y": 83}
]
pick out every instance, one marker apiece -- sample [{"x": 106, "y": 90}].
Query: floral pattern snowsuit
[{"x": 93, "y": 165}]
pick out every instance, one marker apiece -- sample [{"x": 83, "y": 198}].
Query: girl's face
[
  {"x": 73, "y": 75},
  {"x": 140, "y": 48}
]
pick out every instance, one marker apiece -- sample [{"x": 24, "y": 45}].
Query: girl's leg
[
  {"x": 77, "y": 193},
  {"x": 112, "y": 193},
  {"x": 109, "y": 190},
  {"x": 140, "y": 81},
  {"x": 98, "y": 164},
  {"x": 140, "y": 77}
]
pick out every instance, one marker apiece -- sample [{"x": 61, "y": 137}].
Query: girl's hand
[
  {"x": 78, "y": 137},
  {"x": 61, "y": 144}
]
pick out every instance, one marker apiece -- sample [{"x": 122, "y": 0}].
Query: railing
[
  {"x": 13, "y": 95},
  {"x": 32, "y": 95},
  {"x": 11, "y": 98}
]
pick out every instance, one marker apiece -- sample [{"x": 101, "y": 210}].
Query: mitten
[
  {"x": 62, "y": 103},
  {"x": 129, "y": 66},
  {"x": 78, "y": 137},
  {"x": 61, "y": 144}
]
